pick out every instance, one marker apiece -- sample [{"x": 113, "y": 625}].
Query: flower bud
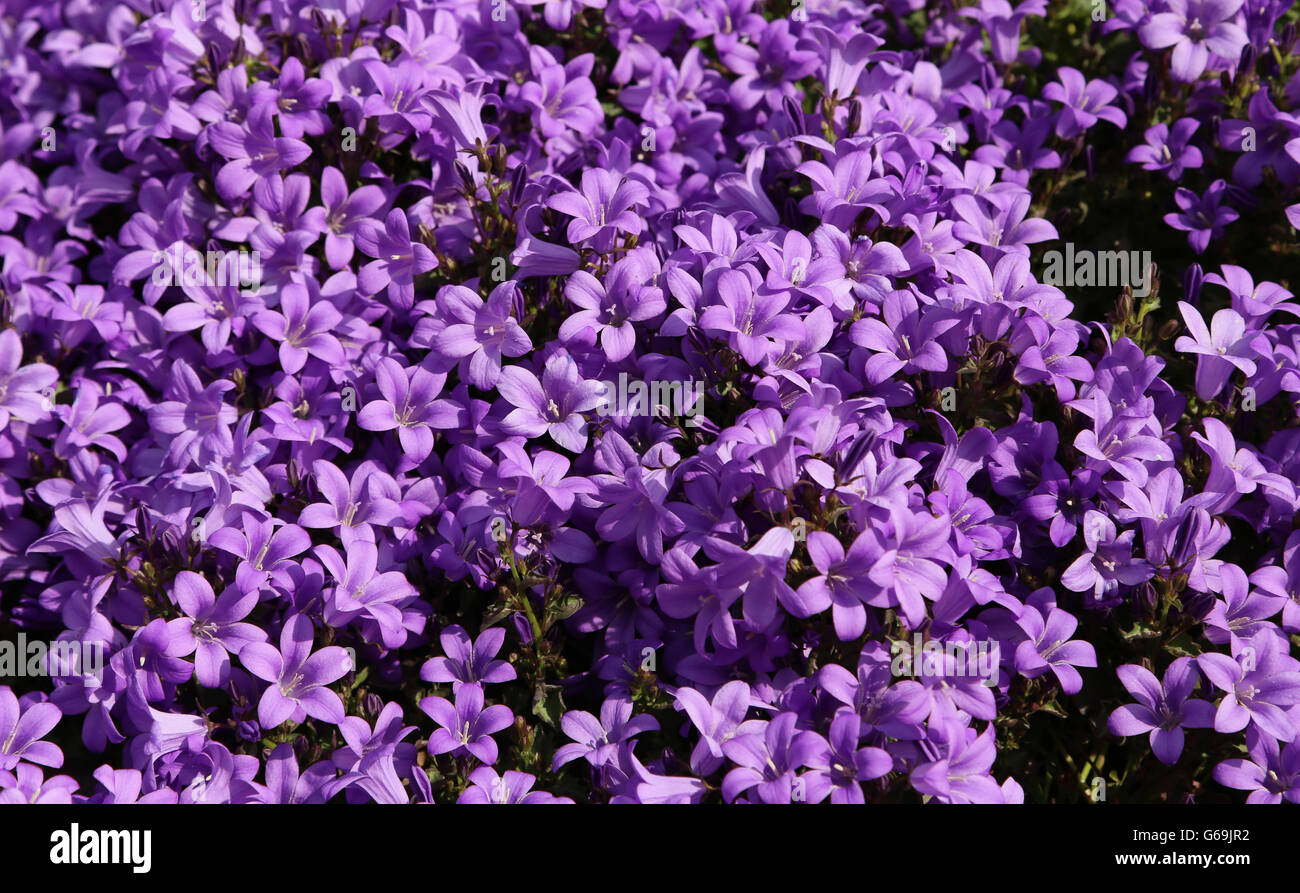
[
  {"x": 854, "y": 122},
  {"x": 794, "y": 113},
  {"x": 517, "y": 184},
  {"x": 1193, "y": 279}
]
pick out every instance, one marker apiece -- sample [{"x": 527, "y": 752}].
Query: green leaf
[
  {"x": 360, "y": 678},
  {"x": 1182, "y": 645},
  {"x": 495, "y": 613},
  {"x": 562, "y": 607},
  {"x": 548, "y": 703},
  {"x": 1053, "y": 708},
  {"x": 1143, "y": 629}
]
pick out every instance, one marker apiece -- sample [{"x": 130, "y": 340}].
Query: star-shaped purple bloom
[
  {"x": 398, "y": 259},
  {"x": 481, "y": 332},
  {"x": 23, "y": 723},
  {"x": 1262, "y": 684},
  {"x": 1202, "y": 217},
  {"x": 1050, "y": 647},
  {"x": 553, "y": 405},
  {"x": 215, "y": 627},
  {"x": 1162, "y": 710},
  {"x": 768, "y": 759},
  {"x": 597, "y": 740},
  {"x": 298, "y": 677},
  {"x": 1225, "y": 344},
  {"x": 469, "y": 662},
  {"x": 467, "y": 727}
]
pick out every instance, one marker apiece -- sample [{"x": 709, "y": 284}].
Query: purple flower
[
  {"x": 1202, "y": 217},
  {"x": 597, "y": 740},
  {"x": 88, "y": 421},
  {"x": 286, "y": 783},
  {"x": 408, "y": 403},
  {"x": 844, "y": 189},
  {"x": 298, "y": 677},
  {"x": 551, "y": 406},
  {"x": 904, "y": 339},
  {"x": 467, "y": 727},
  {"x": 563, "y": 98},
  {"x": 842, "y": 583},
  {"x": 263, "y": 547},
  {"x": 303, "y": 327},
  {"x": 344, "y": 214},
  {"x": 768, "y": 71},
  {"x": 352, "y": 507},
  {"x": 907, "y": 566},
  {"x": 1049, "y": 647},
  {"x": 509, "y": 787},
  {"x": 1085, "y": 103},
  {"x": 1162, "y": 710},
  {"x": 215, "y": 630},
  {"x": 25, "y": 391},
  {"x": 610, "y": 309},
  {"x": 1108, "y": 561},
  {"x": 27, "y": 784},
  {"x": 1003, "y": 24},
  {"x": 23, "y": 723},
  {"x": 399, "y": 259},
  {"x": 197, "y": 420},
  {"x": 1272, "y": 773},
  {"x": 1115, "y": 444},
  {"x": 1195, "y": 29},
  {"x": 255, "y": 154},
  {"x": 1262, "y": 684},
  {"x": 767, "y": 760},
  {"x": 893, "y": 708},
  {"x": 361, "y": 592},
  {"x": 961, "y": 774},
  {"x": 469, "y": 662},
  {"x": 1052, "y": 360},
  {"x": 297, "y": 99},
  {"x": 399, "y": 100},
  {"x": 1169, "y": 150},
  {"x": 481, "y": 332},
  {"x": 605, "y": 206},
  {"x": 839, "y": 771},
  {"x": 717, "y": 721},
  {"x": 1223, "y": 345}
]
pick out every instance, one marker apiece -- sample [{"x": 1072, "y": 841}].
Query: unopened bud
[
  {"x": 1193, "y": 279},
  {"x": 794, "y": 113},
  {"x": 466, "y": 177},
  {"x": 517, "y": 184},
  {"x": 1246, "y": 64},
  {"x": 854, "y": 122}
]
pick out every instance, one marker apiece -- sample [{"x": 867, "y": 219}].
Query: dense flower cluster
[{"x": 648, "y": 401}]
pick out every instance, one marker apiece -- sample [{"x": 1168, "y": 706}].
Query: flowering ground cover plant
[{"x": 682, "y": 401}]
